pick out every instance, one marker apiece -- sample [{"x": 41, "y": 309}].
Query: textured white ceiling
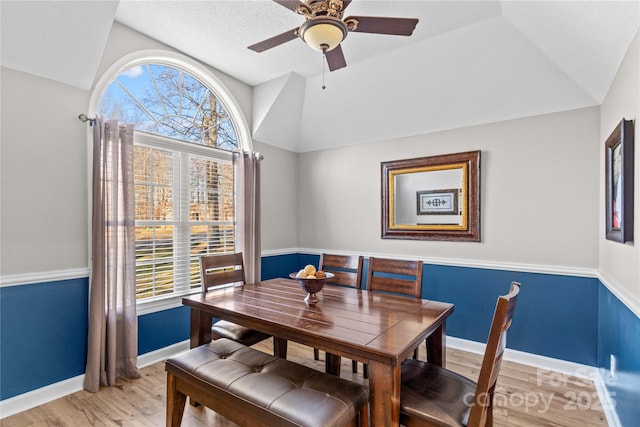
[
  {"x": 219, "y": 32},
  {"x": 62, "y": 41},
  {"x": 468, "y": 62}
]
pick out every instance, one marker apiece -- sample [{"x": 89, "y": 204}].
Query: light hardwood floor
[{"x": 525, "y": 397}]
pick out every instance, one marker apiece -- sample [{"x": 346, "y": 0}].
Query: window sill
[{"x": 173, "y": 301}]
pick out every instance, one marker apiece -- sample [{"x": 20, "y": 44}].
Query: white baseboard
[
  {"x": 545, "y": 363},
  {"x": 60, "y": 389},
  {"x": 162, "y": 354},
  {"x": 40, "y": 396},
  {"x": 608, "y": 404}
]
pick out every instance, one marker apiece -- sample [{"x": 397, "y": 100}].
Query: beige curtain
[
  {"x": 247, "y": 181},
  {"x": 113, "y": 328}
]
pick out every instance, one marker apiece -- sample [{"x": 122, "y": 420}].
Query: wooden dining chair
[
  {"x": 434, "y": 396},
  {"x": 347, "y": 270},
  {"x": 227, "y": 269},
  {"x": 395, "y": 276}
]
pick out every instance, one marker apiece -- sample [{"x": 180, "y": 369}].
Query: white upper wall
[
  {"x": 44, "y": 184},
  {"x": 539, "y": 198},
  {"x": 279, "y": 193},
  {"x": 619, "y": 263}
]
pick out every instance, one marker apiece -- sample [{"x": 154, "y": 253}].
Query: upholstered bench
[{"x": 252, "y": 388}]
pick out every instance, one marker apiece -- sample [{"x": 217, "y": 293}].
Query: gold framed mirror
[{"x": 432, "y": 198}]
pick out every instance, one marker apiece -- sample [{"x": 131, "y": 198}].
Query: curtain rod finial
[{"x": 84, "y": 118}]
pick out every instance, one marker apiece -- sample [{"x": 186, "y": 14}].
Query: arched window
[
  {"x": 168, "y": 101},
  {"x": 183, "y": 171}
]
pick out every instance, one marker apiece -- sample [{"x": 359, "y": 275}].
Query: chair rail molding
[
  {"x": 471, "y": 263},
  {"x": 43, "y": 277},
  {"x": 632, "y": 302}
]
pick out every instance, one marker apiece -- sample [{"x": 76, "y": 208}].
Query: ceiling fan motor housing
[{"x": 315, "y": 8}]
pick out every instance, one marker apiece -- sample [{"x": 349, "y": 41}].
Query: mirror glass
[
  {"x": 429, "y": 197},
  {"x": 432, "y": 198}
]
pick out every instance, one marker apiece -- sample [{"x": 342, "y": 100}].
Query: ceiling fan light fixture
[{"x": 323, "y": 34}]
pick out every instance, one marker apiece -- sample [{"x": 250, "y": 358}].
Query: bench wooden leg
[{"x": 175, "y": 402}]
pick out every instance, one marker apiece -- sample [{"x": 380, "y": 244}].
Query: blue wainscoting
[
  {"x": 556, "y": 316},
  {"x": 281, "y": 265},
  {"x": 162, "y": 329},
  {"x": 619, "y": 335},
  {"x": 44, "y": 334}
]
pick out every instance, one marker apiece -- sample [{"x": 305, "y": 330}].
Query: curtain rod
[{"x": 84, "y": 118}]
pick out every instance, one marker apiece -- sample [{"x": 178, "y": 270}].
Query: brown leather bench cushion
[{"x": 274, "y": 386}]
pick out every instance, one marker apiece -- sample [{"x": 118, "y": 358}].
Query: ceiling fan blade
[
  {"x": 381, "y": 25},
  {"x": 275, "y": 41},
  {"x": 291, "y": 4},
  {"x": 335, "y": 58}
]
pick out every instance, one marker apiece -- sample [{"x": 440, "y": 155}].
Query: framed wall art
[
  {"x": 619, "y": 183},
  {"x": 438, "y": 202}
]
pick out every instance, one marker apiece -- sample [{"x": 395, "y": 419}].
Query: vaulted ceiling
[{"x": 467, "y": 62}]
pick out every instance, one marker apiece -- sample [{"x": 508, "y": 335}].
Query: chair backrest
[
  {"x": 346, "y": 268},
  {"x": 398, "y": 276},
  {"x": 493, "y": 356},
  {"x": 216, "y": 270}
]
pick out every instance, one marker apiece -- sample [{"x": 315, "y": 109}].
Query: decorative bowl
[{"x": 311, "y": 286}]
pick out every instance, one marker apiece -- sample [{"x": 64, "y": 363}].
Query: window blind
[{"x": 184, "y": 208}]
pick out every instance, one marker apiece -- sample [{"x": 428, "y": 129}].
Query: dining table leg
[
  {"x": 436, "y": 348},
  {"x": 332, "y": 364},
  {"x": 280, "y": 347},
  {"x": 200, "y": 326},
  {"x": 384, "y": 394}
]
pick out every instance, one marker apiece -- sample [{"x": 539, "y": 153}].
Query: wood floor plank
[{"x": 525, "y": 397}]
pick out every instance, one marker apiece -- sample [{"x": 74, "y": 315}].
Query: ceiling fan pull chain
[{"x": 324, "y": 57}]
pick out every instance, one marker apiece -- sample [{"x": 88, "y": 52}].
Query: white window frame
[{"x": 217, "y": 87}]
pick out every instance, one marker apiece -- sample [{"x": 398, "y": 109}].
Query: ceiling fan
[{"x": 324, "y": 29}]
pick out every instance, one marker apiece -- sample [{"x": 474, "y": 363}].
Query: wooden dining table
[{"x": 379, "y": 329}]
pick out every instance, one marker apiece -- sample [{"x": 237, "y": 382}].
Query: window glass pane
[
  {"x": 211, "y": 191},
  {"x": 212, "y": 239},
  {"x": 154, "y": 260},
  {"x": 153, "y": 180}
]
